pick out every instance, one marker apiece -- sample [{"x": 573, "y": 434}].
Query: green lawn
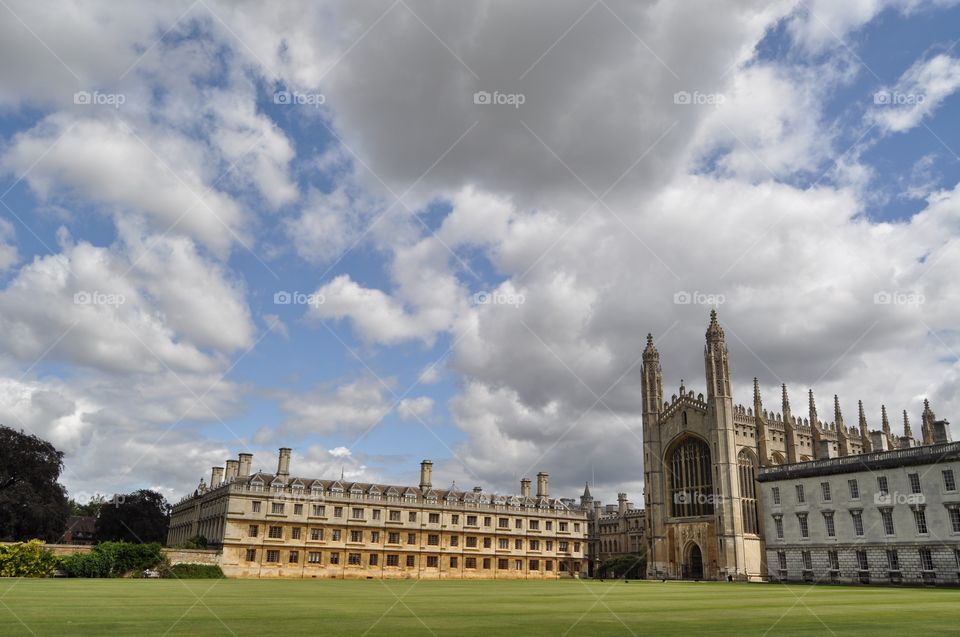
[{"x": 489, "y": 608}]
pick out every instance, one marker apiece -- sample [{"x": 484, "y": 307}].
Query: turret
[
  {"x": 716, "y": 359},
  {"x": 907, "y": 440},
  {"x": 926, "y": 423},
  {"x": 283, "y": 464},
  {"x": 885, "y": 427},
  {"x": 864, "y": 430},
  {"x": 789, "y": 433},
  {"x": 426, "y": 475},
  {"x": 652, "y": 388},
  {"x": 843, "y": 437}
]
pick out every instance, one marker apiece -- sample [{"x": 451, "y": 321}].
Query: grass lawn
[{"x": 489, "y": 608}]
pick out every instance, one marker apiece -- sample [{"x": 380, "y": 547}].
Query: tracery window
[
  {"x": 748, "y": 493},
  {"x": 691, "y": 483}
]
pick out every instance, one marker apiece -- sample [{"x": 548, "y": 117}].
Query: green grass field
[{"x": 252, "y": 607}]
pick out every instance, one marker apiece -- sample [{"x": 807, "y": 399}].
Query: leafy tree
[
  {"x": 32, "y": 503},
  {"x": 26, "y": 559},
  {"x": 113, "y": 559},
  {"x": 141, "y": 516},
  {"x": 625, "y": 566},
  {"x": 88, "y": 508}
]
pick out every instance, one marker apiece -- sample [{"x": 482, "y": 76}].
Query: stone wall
[{"x": 176, "y": 556}]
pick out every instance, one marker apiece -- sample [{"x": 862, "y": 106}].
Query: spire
[
  {"x": 907, "y": 431},
  {"x": 716, "y": 360},
  {"x": 862, "y": 418},
  {"x": 652, "y": 381},
  {"x": 884, "y": 421},
  {"x": 786, "y": 403},
  {"x": 586, "y": 490},
  {"x": 650, "y": 352},
  {"x": 714, "y": 331},
  {"x": 837, "y": 416},
  {"x": 757, "y": 402},
  {"x": 865, "y": 442},
  {"x": 814, "y": 421}
]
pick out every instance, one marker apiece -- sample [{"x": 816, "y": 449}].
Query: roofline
[{"x": 862, "y": 462}]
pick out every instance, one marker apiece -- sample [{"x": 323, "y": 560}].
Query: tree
[
  {"x": 33, "y": 504},
  {"x": 91, "y": 508},
  {"x": 141, "y": 516}
]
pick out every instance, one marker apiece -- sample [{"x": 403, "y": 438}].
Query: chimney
[
  {"x": 941, "y": 432},
  {"x": 216, "y": 477},
  {"x": 283, "y": 463},
  {"x": 826, "y": 450},
  {"x": 543, "y": 483},
  {"x": 426, "y": 475},
  {"x": 525, "y": 487},
  {"x": 246, "y": 459},
  {"x": 622, "y": 502},
  {"x": 231, "y": 472}
]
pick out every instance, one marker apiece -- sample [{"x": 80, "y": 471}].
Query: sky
[{"x": 381, "y": 231}]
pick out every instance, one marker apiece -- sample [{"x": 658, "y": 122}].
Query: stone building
[
  {"x": 278, "y": 525},
  {"x": 884, "y": 517},
  {"x": 702, "y": 453},
  {"x": 614, "y": 530}
]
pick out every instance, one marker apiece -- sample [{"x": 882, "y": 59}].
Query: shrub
[
  {"x": 193, "y": 571},
  {"x": 113, "y": 559},
  {"x": 27, "y": 559}
]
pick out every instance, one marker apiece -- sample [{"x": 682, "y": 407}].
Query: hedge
[
  {"x": 27, "y": 559},
  {"x": 193, "y": 571},
  {"x": 113, "y": 559}
]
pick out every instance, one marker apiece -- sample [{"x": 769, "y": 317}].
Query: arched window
[
  {"x": 746, "y": 463},
  {"x": 777, "y": 457},
  {"x": 691, "y": 485}
]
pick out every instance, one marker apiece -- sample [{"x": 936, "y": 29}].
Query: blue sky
[{"x": 796, "y": 200}]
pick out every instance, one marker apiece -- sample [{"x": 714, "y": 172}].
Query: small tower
[
  {"x": 789, "y": 431},
  {"x": 652, "y": 397},
  {"x": 907, "y": 440},
  {"x": 426, "y": 475},
  {"x": 927, "y": 419},
  {"x": 885, "y": 427},
  {"x": 816, "y": 433},
  {"x": 864, "y": 430},
  {"x": 760, "y": 422},
  {"x": 843, "y": 437}
]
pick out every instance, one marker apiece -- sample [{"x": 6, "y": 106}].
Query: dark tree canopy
[
  {"x": 141, "y": 516},
  {"x": 32, "y": 503}
]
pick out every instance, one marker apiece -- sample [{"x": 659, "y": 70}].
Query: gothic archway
[{"x": 693, "y": 562}]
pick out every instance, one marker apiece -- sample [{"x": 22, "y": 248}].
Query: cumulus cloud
[{"x": 917, "y": 94}]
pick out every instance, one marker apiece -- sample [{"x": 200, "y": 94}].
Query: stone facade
[
  {"x": 615, "y": 530},
  {"x": 702, "y": 454},
  {"x": 885, "y": 517},
  {"x": 278, "y": 526}
]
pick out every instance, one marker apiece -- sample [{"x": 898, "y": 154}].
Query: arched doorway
[{"x": 693, "y": 562}]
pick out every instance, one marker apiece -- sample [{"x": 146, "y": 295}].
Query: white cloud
[{"x": 917, "y": 94}]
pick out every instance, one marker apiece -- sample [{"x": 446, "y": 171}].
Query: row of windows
[
  {"x": 863, "y": 563},
  {"x": 273, "y": 556},
  {"x": 359, "y": 513},
  {"x": 856, "y": 515},
  {"x": 394, "y": 537},
  {"x": 883, "y": 487}
]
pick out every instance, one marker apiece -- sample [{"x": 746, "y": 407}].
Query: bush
[
  {"x": 27, "y": 559},
  {"x": 193, "y": 571},
  {"x": 113, "y": 559}
]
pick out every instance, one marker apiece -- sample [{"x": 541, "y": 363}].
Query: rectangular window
[
  {"x": 534, "y": 525},
  {"x": 800, "y": 496},
  {"x": 295, "y": 533},
  {"x": 503, "y": 543},
  {"x": 854, "y": 489},
  {"x": 518, "y": 565},
  {"x": 353, "y": 559},
  {"x": 276, "y": 532},
  {"x": 829, "y": 525},
  {"x": 549, "y": 524},
  {"x": 433, "y": 561},
  {"x": 487, "y": 562},
  {"x": 782, "y": 560},
  {"x": 534, "y": 565},
  {"x": 834, "y": 560},
  {"x": 335, "y": 535},
  {"x": 393, "y": 560},
  {"x": 926, "y": 560},
  {"x": 534, "y": 545},
  {"x": 503, "y": 523},
  {"x": 804, "y": 529},
  {"x": 376, "y": 514},
  {"x": 775, "y": 492},
  {"x": 471, "y": 520},
  {"x": 253, "y": 530},
  {"x": 394, "y": 516},
  {"x": 433, "y": 539},
  {"x": 356, "y": 536},
  {"x": 255, "y": 507},
  {"x": 411, "y": 561},
  {"x": 273, "y": 556},
  {"x": 518, "y": 544},
  {"x": 576, "y": 527},
  {"x": 251, "y": 555},
  {"x": 334, "y": 558},
  {"x": 778, "y": 522},
  {"x": 276, "y": 507},
  {"x": 393, "y": 538},
  {"x": 471, "y": 541},
  {"x": 455, "y": 519},
  {"x": 313, "y": 557},
  {"x": 412, "y": 516},
  {"x": 375, "y": 537},
  {"x": 920, "y": 517},
  {"x": 563, "y": 527},
  {"x": 454, "y": 540},
  {"x": 563, "y": 547},
  {"x": 470, "y": 562},
  {"x": 434, "y": 518},
  {"x": 338, "y": 512},
  {"x": 825, "y": 491},
  {"x": 298, "y": 509},
  {"x": 862, "y": 563},
  {"x": 319, "y": 510},
  {"x": 373, "y": 560},
  {"x": 411, "y": 538},
  {"x": 915, "y": 483},
  {"x": 503, "y": 563},
  {"x": 549, "y": 545},
  {"x": 549, "y": 565},
  {"x": 857, "y": 522},
  {"x": 887, "y": 516},
  {"x": 356, "y": 513},
  {"x": 807, "y": 560},
  {"x": 882, "y": 485},
  {"x": 949, "y": 481},
  {"x": 294, "y": 557},
  {"x": 487, "y": 520},
  {"x": 453, "y": 561},
  {"x": 955, "y": 518},
  {"x": 487, "y": 542},
  {"x": 893, "y": 560}
]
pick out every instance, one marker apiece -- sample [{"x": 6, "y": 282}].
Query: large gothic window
[
  {"x": 691, "y": 485},
  {"x": 748, "y": 492}
]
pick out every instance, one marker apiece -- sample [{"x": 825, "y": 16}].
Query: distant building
[
  {"x": 886, "y": 517},
  {"x": 276, "y": 525},
  {"x": 81, "y": 529},
  {"x": 615, "y": 530}
]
